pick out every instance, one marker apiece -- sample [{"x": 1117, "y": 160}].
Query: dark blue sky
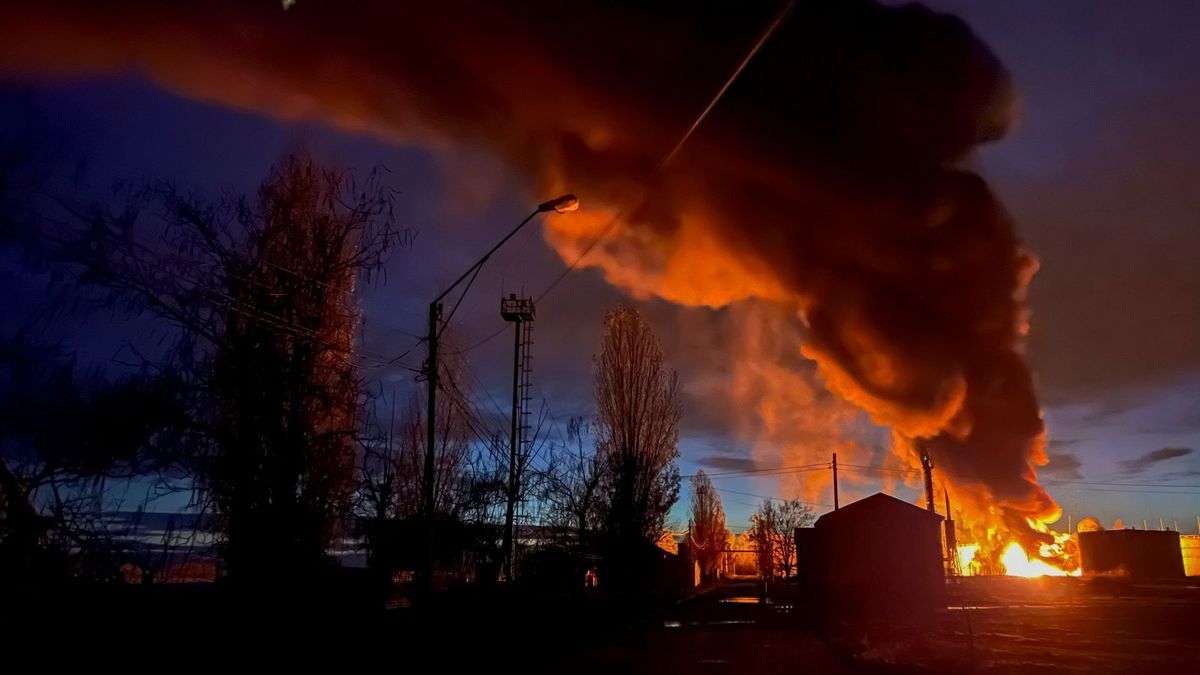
[{"x": 1101, "y": 174}]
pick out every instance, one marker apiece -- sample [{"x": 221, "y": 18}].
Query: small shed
[
  {"x": 879, "y": 556},
  {"x": 1139, "y": 554}
]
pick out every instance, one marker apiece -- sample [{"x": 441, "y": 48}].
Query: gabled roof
[{"x": 878, "y": 507}]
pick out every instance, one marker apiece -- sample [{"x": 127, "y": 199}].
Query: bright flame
[
  {"x": 966, "y": 556},
  {"x": 989, "y": 550},
  {"x": 1018, "y": 564}
]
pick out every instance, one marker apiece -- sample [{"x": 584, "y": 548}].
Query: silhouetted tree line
[
  {"x": 63, "y": 434},
  {"x": 256, "y": 403},
  {"x": 265, "y": 412}
]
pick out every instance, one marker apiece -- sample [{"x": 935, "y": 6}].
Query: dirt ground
[
  {"x": 993, "y": 625},
  {"x": 1051, "y": 625}
]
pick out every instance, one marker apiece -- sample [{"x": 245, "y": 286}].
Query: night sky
[{"x": 1100, "y": 173}]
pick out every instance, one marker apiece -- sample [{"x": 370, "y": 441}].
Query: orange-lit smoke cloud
[{"x": 829, "y": 184}]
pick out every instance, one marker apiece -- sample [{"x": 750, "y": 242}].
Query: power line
[
  {"x": 479, "y": 381},
  {"x": 612, "y": 223},
  {"x": 466, "y": 289},
  {"x": 687, "y": 135},
  {"x": 146, "y": 255},
  {"x": 1161, "y": 488},
  {"x": 781, "y": 470},
  {"x": 474, "y": 424},
  {"x": 1057, "y": 483},
  {"x": 1164, "y": 484},
  {"x": 772, "y": 498},
  {"x": 884, "y": 469},
  {"x": 762, "y": 40},
  {"x": 396, "y": 359},
  {"x": 482, "y": 342},
  {"x": 550, "y": 411},
  {"x": 1134, "y": 491}
]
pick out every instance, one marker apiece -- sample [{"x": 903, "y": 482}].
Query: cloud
[
  {"x": 1062, "y": 466},
  {"x": 1139, "y": 465},
  {"x": 729, "y": 463}
]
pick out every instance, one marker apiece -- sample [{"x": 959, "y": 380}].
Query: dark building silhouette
[
  {"x": 1140, "y": 554},
  {"x": 809, "y": 555},
  {"x": 879, "y": 557}
]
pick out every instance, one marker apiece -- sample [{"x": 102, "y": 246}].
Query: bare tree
[
  {"x": 389, "y": 494},
  {"x": 394, "y": 460},
  {"x": 762, "y": 533},
  {"x": 470, "y": 474},
  {"x": 773, "y": 529},
  {"x": 263, "y": 293},
  {"x": 706, "y": 529},
  {"x": 637, "y": 433},
  {"x": 572, "y": 487}
]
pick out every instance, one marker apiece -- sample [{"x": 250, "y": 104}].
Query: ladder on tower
[
  {"x": 525, "y": 388},
  {"x": 520, "y": 311}
]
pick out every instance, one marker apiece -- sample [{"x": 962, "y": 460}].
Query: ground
[
  {"x": 1069, "y": 625},
  {"x": 993, "y": 625},
  {"x": 732, "y": 628}
]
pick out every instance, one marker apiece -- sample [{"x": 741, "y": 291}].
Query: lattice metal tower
[{"x": 521, "y": 313}]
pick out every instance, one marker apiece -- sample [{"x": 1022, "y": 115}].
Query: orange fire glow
[
  {"x": 1018, "y": 564},
  {"x": 1056, "y": 555}
]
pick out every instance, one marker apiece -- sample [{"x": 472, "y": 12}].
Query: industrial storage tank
[
  {"x": 1190, "y": 543},
  {"x": 1138, "y": 554}
]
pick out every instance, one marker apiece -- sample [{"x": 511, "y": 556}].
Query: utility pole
[
  {"x": 520, "y": 312},
  {"x": 431, "y": 380},
  {"x": 564, "y": 204},
  {"x": 425, "y": 577},
  {"x": 835, "y": 483},
  {"x": 927, "y": 464}
]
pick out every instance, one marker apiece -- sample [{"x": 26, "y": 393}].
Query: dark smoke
[{"x": 830, "y": 181}]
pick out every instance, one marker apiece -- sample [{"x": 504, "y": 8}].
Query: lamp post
[{"x": 564, "y": 204}]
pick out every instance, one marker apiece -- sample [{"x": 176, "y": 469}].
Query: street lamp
[{"x": 564, "y": 204}]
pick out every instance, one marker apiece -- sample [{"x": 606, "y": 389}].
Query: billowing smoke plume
[{"x": 828, "y": 184}]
